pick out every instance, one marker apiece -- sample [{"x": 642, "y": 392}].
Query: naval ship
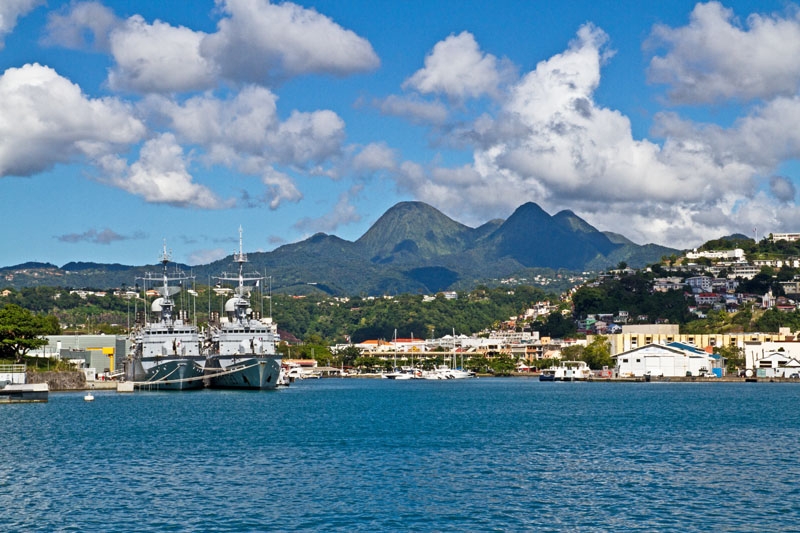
[
  {"x": 242, "y": 349},
  {"x": 167, "y": 351}
]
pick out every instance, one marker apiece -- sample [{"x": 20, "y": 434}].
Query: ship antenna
[{"x": 240, "y": 258}]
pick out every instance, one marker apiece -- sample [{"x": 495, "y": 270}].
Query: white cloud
[
  {"x": 413, "y": 109},
  {"x": 255, "y": 42},
  {"x": 714, "y": 57},
  {"x": 245, "y": 132},
  {"x": 280, "y": 188},
  {"x": 248, "y": 124},
  {"x": 11, "y": 11},
  {"x": 158, "y": 57},
  {"x": 553, "y": 144},
  {"x": 457, "y": 68},
  {"x": 341, "y": 214},
  {"x": 263, "y": 42},
  {"x": 375, "y": 157},
  {"x": 206, "y": 255},
  {"x": 71, "y": 26},
  {"x": 160, "y": 176},
  {"x": 45, "y": 119}
]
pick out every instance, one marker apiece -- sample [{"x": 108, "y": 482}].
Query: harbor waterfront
[{"x": 366, "y": 455}]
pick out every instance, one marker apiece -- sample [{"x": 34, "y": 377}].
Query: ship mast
[
  {"x": 240, "y": 258},
  {"x": 167, "y": 303},
  {"x": 242, "y": 291}
]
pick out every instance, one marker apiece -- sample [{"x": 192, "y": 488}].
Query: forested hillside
[{"x": 330, "y": 318}]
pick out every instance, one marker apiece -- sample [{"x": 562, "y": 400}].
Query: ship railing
[{"x": 13, "y": 369}]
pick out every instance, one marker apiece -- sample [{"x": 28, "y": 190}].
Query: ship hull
[
  {"x": 176, "y": 374},
  {"x": 257, "y": 372}
]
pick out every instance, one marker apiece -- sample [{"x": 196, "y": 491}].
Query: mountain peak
[{"x": 413, "y": 228}]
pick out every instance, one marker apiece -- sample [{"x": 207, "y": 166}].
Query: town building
[
  {"x": 647, "y": 334},
  {"x": 103, "y": 353},
  {"x": 756, "y": 350},
  {"x": 667, "y": 360},
  {"x": 778, "y": 365},
  {"x": 791, "y": 237},
  {"x": 700, "y": 283},
  {"x": 673, "y": 283},
  {"x": 745, "y": 271},
  {"x": 735, "y": 255}
]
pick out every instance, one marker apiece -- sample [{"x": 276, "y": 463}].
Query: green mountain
[
  {"x": 413, "y": 230},
  {"x": 616, "y": 238},
  {"x": 535, "y": 239},
  {"x": 413, "y": 248}
]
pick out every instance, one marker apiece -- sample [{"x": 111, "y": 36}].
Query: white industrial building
[
  {"x": 668, "y": 360},
  {"x": 778, "y": 365},
  {"x": 755, "y": 351}
]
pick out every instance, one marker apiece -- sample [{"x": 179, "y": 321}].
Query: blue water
[{"x": 367, "y": 455}]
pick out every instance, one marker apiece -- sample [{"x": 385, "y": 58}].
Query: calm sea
[{"x": 369, "y": 455}]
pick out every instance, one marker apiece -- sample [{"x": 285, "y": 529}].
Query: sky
[{"x": 126, "y": 123}]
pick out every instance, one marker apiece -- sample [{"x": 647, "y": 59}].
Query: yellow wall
[{"x": 622, "y": 342}]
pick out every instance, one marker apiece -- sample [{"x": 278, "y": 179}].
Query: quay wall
[{"x": 58, "y": 381}]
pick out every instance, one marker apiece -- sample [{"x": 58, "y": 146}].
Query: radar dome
[
  {"x": 230, "y": 305},
  {"x": 156, "y": 306}
]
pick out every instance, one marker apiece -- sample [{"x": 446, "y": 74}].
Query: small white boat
[
  {"x": 88, "y": 397},
  {"x": 397, "y": 374},
  {"x": 567, "y": 371},
  {"x": 445, "y": 372}
]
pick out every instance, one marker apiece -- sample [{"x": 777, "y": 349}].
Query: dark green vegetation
[
  {"x": 21, "y": 331},
  {"x": 596, "y": 354},
  {"x": 632, "y": 294},
  {"x": 412, "y": 248},
  {"x": 734, "y": 357},
  {"x": 729, "y": 242},
  {"x": 317, "y": 318}
]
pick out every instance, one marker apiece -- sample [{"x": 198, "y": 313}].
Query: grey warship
[
  {"x": 167, "y": 351},
  {"x": 242, "y": 349}
]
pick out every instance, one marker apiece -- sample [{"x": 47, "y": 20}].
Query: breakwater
[{"x": 58, "y": 381}]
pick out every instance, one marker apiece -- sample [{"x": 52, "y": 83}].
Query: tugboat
[
  {"x": 167, "y": 353},
  {"x": 242, "y": 349}
]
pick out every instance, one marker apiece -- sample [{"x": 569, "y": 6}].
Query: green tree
[
  {"x": 502, "y": 365},
  {"x": 348, "y": 356},
  {"x": 572, "y": 353},
  {"x": 734, "y": 357},
  {"x": 21, "y": 331},
  {"x": 598, "y": 353}
]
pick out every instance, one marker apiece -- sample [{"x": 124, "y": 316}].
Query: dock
[{"x": 15, "y": 389}]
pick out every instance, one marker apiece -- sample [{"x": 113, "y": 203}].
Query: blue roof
[{"x": 687, "y": 347}]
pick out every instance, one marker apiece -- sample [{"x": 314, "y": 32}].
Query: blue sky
[{"x": 123, "y": 123}]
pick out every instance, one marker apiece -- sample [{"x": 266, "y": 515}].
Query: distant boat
[{"x": 567, "y": 371}]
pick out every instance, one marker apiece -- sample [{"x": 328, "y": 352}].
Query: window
[
  {"x": 638, "y": 360},
  {"x": 624, "y": 360}
]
